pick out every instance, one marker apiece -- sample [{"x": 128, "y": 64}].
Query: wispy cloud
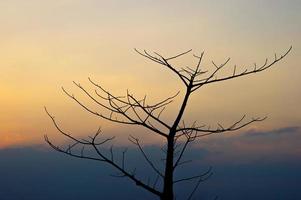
[
  {"x": 285, "y": 131},
  {"x": 252, "y": 146}
]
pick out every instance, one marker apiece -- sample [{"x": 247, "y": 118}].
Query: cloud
[
  {"x": 12, "y": 139},
  {"x": 254, "y": 146},
  {"x": 36, "y": 173},
  {"x": 264, "y": 161},
  {"x": 286, "y": 131}
]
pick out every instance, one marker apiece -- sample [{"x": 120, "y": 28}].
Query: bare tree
[{"x": 131, "y": 110}]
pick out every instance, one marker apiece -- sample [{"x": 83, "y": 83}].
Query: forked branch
[
  {"x": 100, "y": 156},
  {"x": 201, "y": 132},
  {"x": 131, "y": 110},
  {"x": 198, "y": 83}
]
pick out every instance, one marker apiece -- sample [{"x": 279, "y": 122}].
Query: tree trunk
[
  {"x": 168, "y": 193},
  {"x": 168, "y": 180}
]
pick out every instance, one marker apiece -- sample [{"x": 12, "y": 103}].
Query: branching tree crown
[{"x": 133, "y": 111}]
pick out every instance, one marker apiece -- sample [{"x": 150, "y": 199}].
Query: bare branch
[
  {"x": 135, "y": 141},
  {"x": 235, "y": 126},
  {"x": 204, "y": 176},
  {"x": 181, "y": 54},
  {"x": 131, "y": 110},
  {"x": 234, "y": 75},
  {"x": 164, "y": 61},
  {"x": 197, "y": 185},
  {"x": 206, "y": 80},
  {"x": 84, "y": 142},
  {"x": 118, "y": 110},
  {"x": 103, "y": 158}
]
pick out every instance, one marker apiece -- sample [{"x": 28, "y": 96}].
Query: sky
[
  {"x": 35, "y": 173},
  {"x": 48, "y": 44}
]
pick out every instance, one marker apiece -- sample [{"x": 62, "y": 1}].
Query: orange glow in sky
[{"x": 48, "y": 44}]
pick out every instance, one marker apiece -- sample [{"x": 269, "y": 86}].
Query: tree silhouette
[{"x": 178, "y": 135}]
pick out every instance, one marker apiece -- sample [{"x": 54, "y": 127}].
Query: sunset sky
[{"x": 47, "y": 44}]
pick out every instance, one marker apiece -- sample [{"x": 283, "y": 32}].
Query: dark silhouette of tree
[{"x": 178, "y": 135}]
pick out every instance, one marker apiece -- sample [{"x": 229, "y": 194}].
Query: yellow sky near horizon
[{"x": 48, "y": 44}]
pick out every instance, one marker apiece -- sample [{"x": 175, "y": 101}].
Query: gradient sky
[{"x": 47, "y": 44}]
